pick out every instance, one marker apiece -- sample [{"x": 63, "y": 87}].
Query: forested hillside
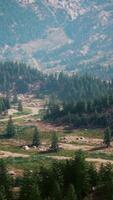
[
  {"x": 17, "y": 77},
  {"x": 80, "y": 101},
  {"x": 74, "y": 88},
  {"x": 20, "y": 78},
  {"x": 92, "y": 113}
]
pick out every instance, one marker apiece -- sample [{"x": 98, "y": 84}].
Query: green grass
[
  {"x": 101, "y": 155},
  {"x": 62, "y": 152},
  {"x": 91, "y": 133},
  {"x": 26, "y": 111},
  {"x": 33, "y": 162},
  {"x": 40, "y": 159},
  {"x": 26, "y": 133}
]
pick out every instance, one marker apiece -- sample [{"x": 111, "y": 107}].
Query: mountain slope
[{"x": 53, "y": 35}]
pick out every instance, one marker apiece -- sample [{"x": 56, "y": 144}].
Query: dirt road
[
  {"x": 6, "y": 154},
  {"x": 75, "y": 147},
  {"x": 34, "y": 111}
]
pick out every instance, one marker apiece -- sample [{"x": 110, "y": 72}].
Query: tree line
[
  {"x": 92, "y": 113},
  {"x": 18, "y": 78},
  {"x": 64, "y": 180},
  {"x": 74, "y": 87}
]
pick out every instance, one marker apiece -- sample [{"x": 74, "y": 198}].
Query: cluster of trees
[
  {"x": 11, "y": 131},
  {"x": 37, "y": 140},
  {"x": 17, "y": 77},
  {"x": 4, "y": 104},
  {"x": 66, "y": 180},
  {"x": 87, "y": 113},
  {"x": 75, "y": 88},
  {"x": 20, "y": 78}
]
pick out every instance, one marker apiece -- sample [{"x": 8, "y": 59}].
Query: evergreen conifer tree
[
  {"x": 56, "y": 191},
  {"x": 71, "y": 195},
  {"x": 10, "y": 129},
  {"x": 20, "y": 106},
  {"x": 107, "y": 137},
  {"x": 54, "y": 143},
  {"x": 36, "y": 137},
  {"x": 5, "y": 183}
]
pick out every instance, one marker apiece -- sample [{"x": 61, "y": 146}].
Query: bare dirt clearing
[
  {"x": 74, "y": 147},
  {"x": 81, "y": 140},
  {"x": 7, "y": 154}
]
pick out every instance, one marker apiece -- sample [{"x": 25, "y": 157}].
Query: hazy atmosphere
[{"x": 56, "y": 100}]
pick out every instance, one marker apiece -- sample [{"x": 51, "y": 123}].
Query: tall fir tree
[
  {"x": 56, "y": 191},
  {"x": 5, "y": 183},
  {"x": 107, "y": 137},
  {"x": 71, "y": 195},
  {"x": 54, "y": 142},
  {"x": 36, "y": 137},
  {"x": 10, "y": 129},
  {"x": 20, "y": 106}
]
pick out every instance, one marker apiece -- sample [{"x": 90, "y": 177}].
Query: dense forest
[
  {"x": 97, "y": 112},
  {"x": 66, "y": 180},
  {"x": 97, "y": 70},
  {"x": 4, "y": 104},
  {"x": 80, "y": 101},
  {"x": 20, "y": 78},
  {"x": 17, "y": 77},
  {"x": 74, "y": 88}
]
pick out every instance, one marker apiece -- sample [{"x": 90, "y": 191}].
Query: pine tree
[
  {"x": 106, "y": 179},
  {"x": 56, "y": 191},
  {"x": 2, "y": 193},
  {"x": 34, "y": 194},
  {"x": 54, "y": 143},
  {"x": 25, "y": 190},
  {"x": 15, "y": 98},
  {"x": 36, "y": 137},
  {"x": 80, "y": 175},
  {"x": 10, "y": 129},
  {"x": 20, "y": 106},
  {"x": 107, "y": 137},
  {"x": 71, "y": 195},
  {"x": 5, "y": 183},
  {"x": 1, "y": 108}
]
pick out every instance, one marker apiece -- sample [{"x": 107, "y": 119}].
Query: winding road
[{"x": 34, "y": 111}]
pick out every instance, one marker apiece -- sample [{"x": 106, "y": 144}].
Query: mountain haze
[{"x": 56, "y": 35}]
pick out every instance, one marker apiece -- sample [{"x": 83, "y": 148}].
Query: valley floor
[{"x": 18, "y": 158}]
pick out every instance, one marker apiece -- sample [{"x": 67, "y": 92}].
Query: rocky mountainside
[{"x": 55, "y": 35}]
